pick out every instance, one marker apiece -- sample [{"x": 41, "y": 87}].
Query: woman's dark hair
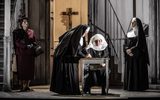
[{"x": 21, "y": 20}]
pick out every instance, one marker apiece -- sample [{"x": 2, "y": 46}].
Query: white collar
[{"x": 131, "y": 34}]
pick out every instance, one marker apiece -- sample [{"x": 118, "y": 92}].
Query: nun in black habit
[
  {"x": 136, "y": 58},
  {"x": 65, "y": 79}
]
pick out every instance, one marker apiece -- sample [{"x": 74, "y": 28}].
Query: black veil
[{"x": 142, "y": 40}]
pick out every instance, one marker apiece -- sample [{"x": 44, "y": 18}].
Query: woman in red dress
[{"x": 23, "y": 38}]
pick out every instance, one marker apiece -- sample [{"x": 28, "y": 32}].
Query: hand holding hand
[
  {"x": 129, "y": 52},
  {"x": 29, "y": 45},
  {"x": 88, "y": 56}
]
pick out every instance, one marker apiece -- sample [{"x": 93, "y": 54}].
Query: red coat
[{"x": 24, "y": 55}]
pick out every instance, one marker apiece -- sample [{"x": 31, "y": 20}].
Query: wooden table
[{"x": 84, "y": 62}]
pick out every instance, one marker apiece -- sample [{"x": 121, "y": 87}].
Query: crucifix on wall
[{"x": 69, "y": 13}]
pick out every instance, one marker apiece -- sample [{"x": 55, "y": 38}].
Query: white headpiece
[
  {"x": 100, "y": 47},
  {"x": 134, "y": 30}
]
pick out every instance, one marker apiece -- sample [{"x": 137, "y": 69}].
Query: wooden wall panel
[
  {"x": 38, "y": 16},
  {"x": 60, "y": 22}
]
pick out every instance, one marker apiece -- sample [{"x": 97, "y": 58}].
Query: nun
[
  {"x": 136, "y": 58},
  {"x": 95, "y": 74},
  {"x": 65, "y": 79}
]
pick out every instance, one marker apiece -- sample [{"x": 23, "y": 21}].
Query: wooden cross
[{"x": 69, "y": 13}]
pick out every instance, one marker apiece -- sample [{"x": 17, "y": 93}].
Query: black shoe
[
  {"x": 28, "y": 89},
  {"x": 103, "y": 91},
  {"x": 87, "y": 92},
  {"x": 22, "y": 90}
]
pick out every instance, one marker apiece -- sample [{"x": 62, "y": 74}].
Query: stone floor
[{"x": 42, "y": 92}]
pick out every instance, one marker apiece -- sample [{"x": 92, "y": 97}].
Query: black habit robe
[
  {"x": 136, "y": 66},
  {"x": 65, "y": 79}
]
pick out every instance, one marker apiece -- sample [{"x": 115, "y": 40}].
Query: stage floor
[{"x": 42, "y": 92}]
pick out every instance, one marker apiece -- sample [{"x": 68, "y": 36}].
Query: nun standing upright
[
  {"x": 65, "y": 79},
  {"x": 136, "y": 58}
]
